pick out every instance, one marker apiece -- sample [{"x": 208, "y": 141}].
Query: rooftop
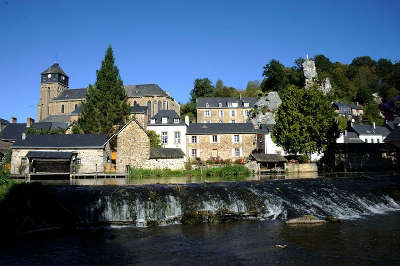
[
  {"x": 222, "y": 102},
  {"x": 62, "y": 141},
  {"x": 268, "y": 158},
  {"x": 363, "y": 129},
  {"x": 220, "y": 128},
  {"x": 13, "y": 131},
  {"x": 54, "y": 69},
  {"x": 170, "y": 114},
  {"x": 49, "y": 154}
]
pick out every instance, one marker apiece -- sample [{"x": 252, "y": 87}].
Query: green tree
[
  {"x": 202, "y": 88},
  {"x": 372, "y": 114},
  {"x": 253, "y": 89},
  {"x": 305, "y": 121},
  {"x": 323, "y": 64},
  {"x": 275, "y": 77},
  {"x": 189, "y": 109},
  {"x": 226, "y": 92},
  {"x": 106, "y": 102},
  {"x": 155, "y": 140},
  {"x": 219, "y": 84}
]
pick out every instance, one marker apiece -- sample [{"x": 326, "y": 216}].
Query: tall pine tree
[{"x": 106, "y": 102}]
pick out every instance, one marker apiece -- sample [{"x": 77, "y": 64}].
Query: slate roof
[
  {"x": 264, "y": 129},
  {"x": 144, "y": 90},
  {"x": 131, "y": 91},
  {"x": 49, "y": 125},
  {"x": 62, "y": 141},
  {"x": 74, "y": 94},
  {"x": 394, "y": 123},
  {"x": 214, "y": 101},
  {"x": 138, "y": 109},
  {"x": 57, "y": 118},
  {"x": 352, "y": 137},
  {"x": 54, "y": 69},
  {"x": 50, "y": 154},
  {"x": 166, "y": 153},
  {"x": 3, "y": 121},
  {"x": 354, "y": 106},
  {"x": 171, "y": 114},
  {"x": 363, "y": 129},
  {"x": 13, "y": 131},
  {"x": 268, "y": 158},
  {"x": 394, "y": 135},
  {"x": 220, "y": 128},
  {"x": 343, "y": 106}
]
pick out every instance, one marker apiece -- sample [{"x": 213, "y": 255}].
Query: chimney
[
  {"x": 13, "y": 120},
  {"x": 29, "y": 121},
  {"x": 240, "y": 96},
  {"x": 23, "y": 137},
  {"x": 187, "y": 121}
]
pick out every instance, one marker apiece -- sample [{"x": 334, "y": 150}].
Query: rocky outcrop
[{"x": 306, "y": 219}]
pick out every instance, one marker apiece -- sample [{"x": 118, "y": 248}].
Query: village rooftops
[
  {"x": 362, "y": 129},
  {"x": 65, "y": 119},
  {"x": 62, "y": 141},
  {"x": 13, "y": 131},
  {"x": 166, "y": 117},
  {"x": 131, "y": 91},
  {"x": 225, "y": 102},
  {"x": 220, "y": 128}
]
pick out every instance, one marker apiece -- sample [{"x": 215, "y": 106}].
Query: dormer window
[
  {"x": 229, "y": 104},
  {"x": 176, "y": 120},
  {"x": 207, "y": 105},
  {"x": 152, "y": 121},
  {"x": 219, "y": 104},
  {"x": 164, "y": 120},
  {"x": 235, "y": 105},
  {"x": 246, "y": 104}
]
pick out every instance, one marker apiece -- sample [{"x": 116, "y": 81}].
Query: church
[{"x": 59, "y": 103}]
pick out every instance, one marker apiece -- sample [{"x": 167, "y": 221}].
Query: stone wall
[
  {"x": 223, "y": 148},
  {"x": 301, "y": 168},
  {"x": 167, "y": 103},
  {"x": 92, "y": 160},
  {"x": 226, "y": 118},
  {"x": 133, "y": 147},
  {"x": 69, "y": 106},
  {"x": 48, "y": 91},
  {"x": 173, "y": 164}
]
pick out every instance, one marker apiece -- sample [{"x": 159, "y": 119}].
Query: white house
[
  {"x": 172, "y": 131},
  {"x": 264, "y": 140},
  {"x": 371, "y": 133}
]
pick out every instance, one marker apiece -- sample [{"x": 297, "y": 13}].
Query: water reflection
[{"x": 121, "y": 181}]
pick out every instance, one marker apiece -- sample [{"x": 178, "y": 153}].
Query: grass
[
  {"x": 225, "y": 171},
  {"x": 5, "y": 183}
]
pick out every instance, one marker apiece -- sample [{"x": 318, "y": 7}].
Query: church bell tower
[{"x": 53, "y": 81}]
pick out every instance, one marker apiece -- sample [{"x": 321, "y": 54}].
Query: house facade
[
  {"x": 224, "y": 109},
  {"x": 171, "y": 129},
  {"x": 371, "y": 133},
  {"x": 223, "y": 140}
]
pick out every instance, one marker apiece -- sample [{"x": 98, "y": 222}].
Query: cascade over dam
[{"x": 33, "y": 206}]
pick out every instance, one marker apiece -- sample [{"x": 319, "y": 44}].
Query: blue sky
[{"x": 174, "y": 42}]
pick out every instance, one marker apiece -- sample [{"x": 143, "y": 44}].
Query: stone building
[
  {"x": 224, "y": 109},
  {"x": 58, "y": 103},
  {"x": 59, "y": 154},
  {"x": 223, "y": 140},
  {"x": 133, "y": 148}
]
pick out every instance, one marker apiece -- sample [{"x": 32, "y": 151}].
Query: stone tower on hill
[{"x": 53, "y": 82}]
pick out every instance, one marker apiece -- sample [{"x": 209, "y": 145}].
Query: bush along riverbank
[{"x": 228, "y": 171}]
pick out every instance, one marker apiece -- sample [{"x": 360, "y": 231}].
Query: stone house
[
  {"x": 223, "y": 140},
  {"x": 133, "y": 148},
  {"x": 224, "y": 109},
  {"x": 58, "y": 102},
  {"x": 171, "y": 129},
  {"x": 60, "y": 154}
]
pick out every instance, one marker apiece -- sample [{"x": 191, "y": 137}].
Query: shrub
[{"x": 228, "y": 161}]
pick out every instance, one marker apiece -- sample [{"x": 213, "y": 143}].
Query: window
[
  {"x": 219, "y": 104},
  {"x": 237, "y": 152},
  {"x": 194, "y": 139},
  {"x": 78, "y": 161},
  {"x": 246, "y": 104},
  {"x": 233, "y": 113},
  {"x": 246, "y": 113},
  {"x": 177, "y": 137},
  {"x": 76, "y": 106},
  {"x": 176, "y": 120},
  {"x": 214, "y": 139},
  {"x": 165, "y": 105},
  {"x": 236, "y": 138},
  {"x": 152, "y": 121},
  {"x": 366, "y": 140},
  {"x": 159, "y": 106},
  {"x": 214, "y": 153},
  {"x": 194, "y": 152},
  {"x": 164, "y": 120},
  {"x": 207, "y": 105},
  {"x": 164, "y": 137},
  {"x": 62, "y": 108},
  {"x": 235, "y": 105},
  {"x": 207, "y": 113},
  {"x": 221, "y": 113},
  {"x": 229, "y": 104},
  {"x": 233, "y": 121}
]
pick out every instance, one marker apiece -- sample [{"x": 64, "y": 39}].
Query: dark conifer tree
[{"x": 106, "y": 102}]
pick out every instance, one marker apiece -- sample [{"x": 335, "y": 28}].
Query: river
[{"x": 233, "y": 223}]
